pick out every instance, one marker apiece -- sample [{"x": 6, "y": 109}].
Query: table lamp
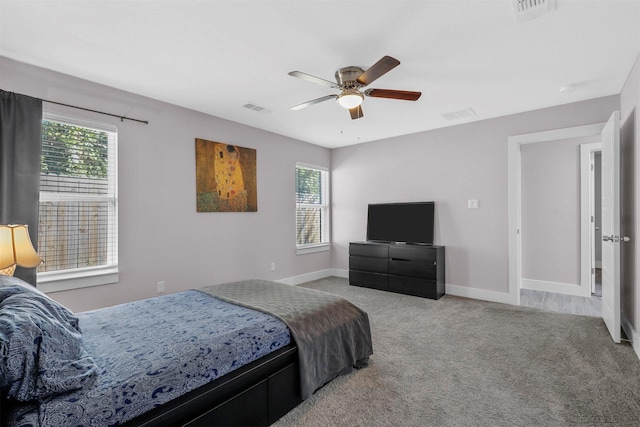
[{"x": 16, "y": 249}]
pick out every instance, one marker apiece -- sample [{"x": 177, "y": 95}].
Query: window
[
  {"x": 77, "y": 229},
  {"x": 312, "y": 208}
]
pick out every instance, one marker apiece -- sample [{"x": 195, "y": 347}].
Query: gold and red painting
[{"x": 225, "y": 177}]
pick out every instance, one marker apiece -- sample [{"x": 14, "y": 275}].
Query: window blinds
[
  {"x": 311, "y": 205},
  {"x": 78, "y": 197}
]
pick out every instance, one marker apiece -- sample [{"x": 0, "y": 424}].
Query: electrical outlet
[
  {"x": 273, "y": 266},
  {"x": 473, "y": 204},
  {"x": 160, "y": 288}
]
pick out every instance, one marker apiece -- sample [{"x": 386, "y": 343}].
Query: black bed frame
[{"x": 257, "y": 394}]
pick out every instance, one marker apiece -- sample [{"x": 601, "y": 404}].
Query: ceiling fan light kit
[
  {"x": 350, "y": 80},
  {"x": 350, "y": 98}
]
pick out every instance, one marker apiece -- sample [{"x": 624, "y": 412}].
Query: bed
[{"x": 242, "y": 353}]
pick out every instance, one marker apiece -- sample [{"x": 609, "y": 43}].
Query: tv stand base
[{"x": 398, "y": 267}]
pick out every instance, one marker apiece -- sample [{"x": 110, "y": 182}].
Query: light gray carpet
[{"x": 463, "y": 362}]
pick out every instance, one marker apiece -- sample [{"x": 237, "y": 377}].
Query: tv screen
[{"x": 401, "y": 222}]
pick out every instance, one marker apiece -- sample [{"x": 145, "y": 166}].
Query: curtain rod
[{"x": 122, "y": 118}]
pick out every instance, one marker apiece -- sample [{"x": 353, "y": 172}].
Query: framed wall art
[{"x": 225, "y": 177}]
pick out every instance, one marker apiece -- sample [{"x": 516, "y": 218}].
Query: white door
[
  {"x": 611, "y": 225},
  {"x": 593, "y": 235}
]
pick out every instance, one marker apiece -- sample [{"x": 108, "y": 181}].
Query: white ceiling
[{"x": 216, "y": 56}]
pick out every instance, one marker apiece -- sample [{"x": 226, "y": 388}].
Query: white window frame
[
  {"x": 54, "y": 281},
  {"x": 325, "y": 228}
]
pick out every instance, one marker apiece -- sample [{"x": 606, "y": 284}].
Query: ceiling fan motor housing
[{"x": 346, "y": 77}]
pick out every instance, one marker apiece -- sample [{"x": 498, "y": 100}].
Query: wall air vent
[
  {"x": 460, "y": 114},
  {"x": 525, "y": 10}
]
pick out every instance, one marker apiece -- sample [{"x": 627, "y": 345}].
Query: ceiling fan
[{"x": 350, "y": 81}]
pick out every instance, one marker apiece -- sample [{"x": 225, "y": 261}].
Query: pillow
[{"x": 41, "y": 351}]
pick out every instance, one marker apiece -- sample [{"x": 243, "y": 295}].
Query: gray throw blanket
[{"x": 333, "y": 335}]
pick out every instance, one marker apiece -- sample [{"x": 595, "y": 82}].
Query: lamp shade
[
  {"x": 350, "y": 98},
  {"x": 16, "y": 247}
]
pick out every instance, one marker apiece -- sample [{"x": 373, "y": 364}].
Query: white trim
[
  {"x": 555, "y": 287},
  {"x": 307, "y": 277},
  {"x": 325, "y": 207},
  {"x": 340, "y": 272},
  {"x": 453, "y": 290},
  {"x": 61, "y": 280},
  {"x": 587, "y": 200},
  {"x": 631, "y": 333},
  {"x": 514, "y": 196},
  {"x": 65, "y": 280},
  {"x": 479, "y": 294},
  {"x": 312, "y": 248},
  {"x": 557, "y": 134},
  {"x": 312, "y": 166},
  {"x": 76, "y": 121}
]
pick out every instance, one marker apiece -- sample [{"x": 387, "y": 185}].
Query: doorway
[
  {"x": 552, "y": 176},
  {"x": 515, "y": 145},
  {"x": 590, "y": 217},
  {"x": 611, "y": 236}
]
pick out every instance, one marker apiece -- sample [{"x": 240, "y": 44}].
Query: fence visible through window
[
  {"x": 77, "y": 222},
  {"x": 311, "y": 205}
]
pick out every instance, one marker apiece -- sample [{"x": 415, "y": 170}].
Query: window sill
[
  {"x": 75, "y": 279},
  {"x": 309, "y": 249}
]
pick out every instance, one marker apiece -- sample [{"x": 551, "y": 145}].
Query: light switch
[{"x": 473, "y": 204}]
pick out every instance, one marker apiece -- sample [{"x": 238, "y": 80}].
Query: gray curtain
[{"x": 20, "y": 152}]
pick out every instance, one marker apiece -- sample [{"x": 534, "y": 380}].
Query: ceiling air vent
[
  {"x": 526, "y": 10},
  {"x": 460, "y": 114},
  {"x": 255, "y": 107}
]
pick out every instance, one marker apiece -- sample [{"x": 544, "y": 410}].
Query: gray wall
[
  {"x": 450, "y": 166},
  {"x": 550, "y": 200},
  {"x": 630, "y": 191},
  {"x": 161, "y": 236}
]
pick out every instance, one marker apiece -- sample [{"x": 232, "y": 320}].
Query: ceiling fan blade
[
  {"x": 313, "y": 101},
  {"x": 393, "y": 94},
  {"x": 381, "y": 67},
  {"x": 356, "y": 112},
  {"x": 314, "y": 79}
]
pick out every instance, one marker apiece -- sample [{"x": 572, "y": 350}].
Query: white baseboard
[
  {"x": 307, "y": 277},
  {"x": 631, "y": 333},
  {"x": 314, "y": 275},
  {"x": 339, "y": 272},
  {"x": 459, "y": 291},
  {"x": 556, "y": 287},
  {"x": 475, "y": 293}
]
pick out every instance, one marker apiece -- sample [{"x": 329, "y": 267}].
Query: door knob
[{"x": 616, "y": 239}]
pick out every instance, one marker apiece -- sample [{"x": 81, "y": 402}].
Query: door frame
[
  {"x": 515, "y": 192},
  {"x": 587, "y": 202}
]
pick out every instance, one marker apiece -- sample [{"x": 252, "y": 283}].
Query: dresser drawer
[
  {"x": 369, "y": 280},
  {"x": 369, "y": 250},
  {"x": 426, "y": 254},
  {"x": 421, "y": 270},
  {"x": 413, "y": 286},
  {"x": 373, "y": 265}
]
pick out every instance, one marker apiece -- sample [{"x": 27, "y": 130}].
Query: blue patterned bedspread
[{"x": 154, "y": 350}]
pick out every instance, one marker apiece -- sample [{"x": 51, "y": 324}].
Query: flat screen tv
[{"x": 401, "y": 222}]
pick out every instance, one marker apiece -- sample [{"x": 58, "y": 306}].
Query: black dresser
[{"x": 407, "y": 269}]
